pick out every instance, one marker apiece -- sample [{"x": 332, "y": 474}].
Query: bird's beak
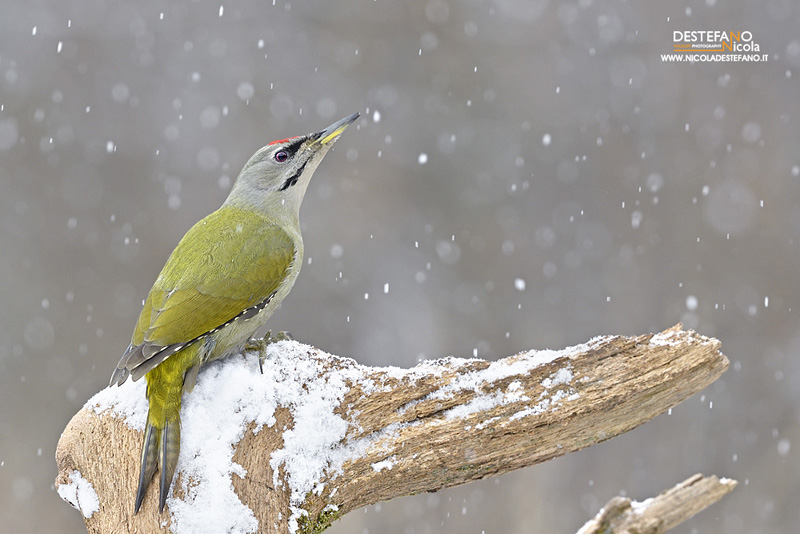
[{"x": 332, "y": 132}]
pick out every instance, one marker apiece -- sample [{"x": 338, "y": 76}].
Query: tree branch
[
  {"x": 659, "y": 514},
  {"x": 319, "y": 435}
]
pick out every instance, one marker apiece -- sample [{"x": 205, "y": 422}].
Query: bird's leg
[{"x": 260, "y": 345}]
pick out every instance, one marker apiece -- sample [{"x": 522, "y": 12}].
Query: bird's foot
[
  {"x": 279, "y": 336},
  {"x": 260, "y": 345}
]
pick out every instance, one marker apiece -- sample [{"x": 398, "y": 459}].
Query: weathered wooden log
[{"x": 318, "y": 435}]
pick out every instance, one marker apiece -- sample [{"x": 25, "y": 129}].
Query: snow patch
[
  {"x": 384, "y": 464},
  {"x": 490, "y": 421},
  {"x": 513, "y": 393},
  {"x": 127, "y": 402},
  {"x": 478, "y": 404},
  {"x": 669, "y": 338},
  {"x": 680, "y": 337},
  {"x": 562, "y": 376},
  {"x": 80, "y": 493},
  {"x": 520, "y": 364},
  {"x": 549, "y": 401},
  {"x": 639, "y": 507}
]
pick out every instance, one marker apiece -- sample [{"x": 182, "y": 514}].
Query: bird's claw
[
  {"x": 260, "y": 345},
  {"x": 279, "y": 336}
]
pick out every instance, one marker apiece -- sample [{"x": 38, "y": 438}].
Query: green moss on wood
[{"x": 315, "y": 526}]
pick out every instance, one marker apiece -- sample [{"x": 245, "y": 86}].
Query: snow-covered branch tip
[
  {"x": 319, "y": 435},
  {"x": 661, "y": 513}
]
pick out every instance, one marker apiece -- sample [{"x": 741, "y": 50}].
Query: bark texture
[{"x": 436, "y": 425}]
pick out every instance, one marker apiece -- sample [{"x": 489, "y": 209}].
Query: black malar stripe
[{"x": 293, "y": 180}]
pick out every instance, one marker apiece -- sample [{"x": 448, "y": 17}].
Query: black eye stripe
[{"x": 294, "y": 146}]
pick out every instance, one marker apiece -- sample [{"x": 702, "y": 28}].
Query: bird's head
[{"x": 275, "y": 178}]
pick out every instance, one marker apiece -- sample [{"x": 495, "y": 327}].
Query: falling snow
[{"x": 701, "y": 158}]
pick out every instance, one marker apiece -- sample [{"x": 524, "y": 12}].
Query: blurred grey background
[{"x": 526, "y": 174}]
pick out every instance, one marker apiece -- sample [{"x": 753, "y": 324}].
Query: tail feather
[
  {"x": 162, "y": 439},
  {"x": 148, "y": 464},
  {"x": 169, "y": 448},
  {"x": 161, "y": 448}
]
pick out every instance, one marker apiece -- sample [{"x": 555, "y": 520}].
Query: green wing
[{"x": 226, "y": 263}]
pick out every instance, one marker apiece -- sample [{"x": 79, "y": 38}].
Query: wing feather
[{"x": 228, "y": 274}]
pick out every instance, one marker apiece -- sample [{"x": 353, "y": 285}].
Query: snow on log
[{"x": 319, "y": 435}]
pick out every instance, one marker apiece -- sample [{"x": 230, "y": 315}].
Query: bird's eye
[{"x": 281, "y": 156}]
